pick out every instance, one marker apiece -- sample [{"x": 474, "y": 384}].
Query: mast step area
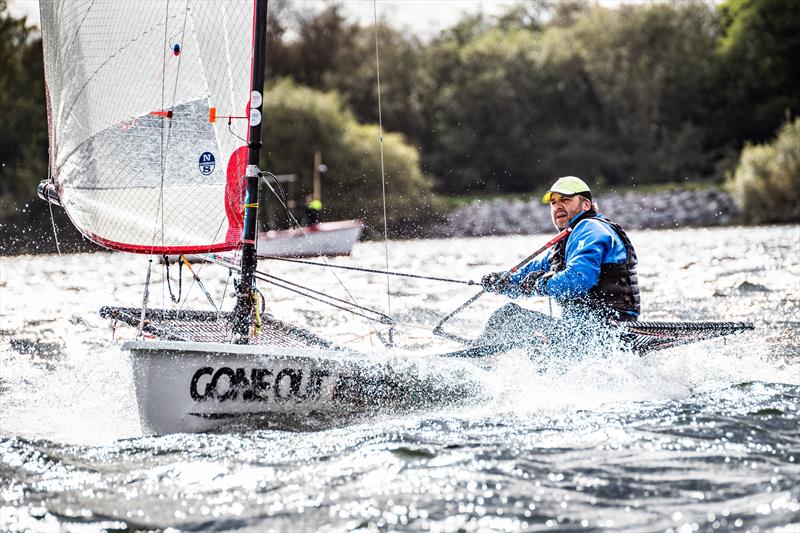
[{"x": 209, "y": 326}]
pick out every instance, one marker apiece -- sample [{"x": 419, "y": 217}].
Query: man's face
[{"x": 563, "y": 208}]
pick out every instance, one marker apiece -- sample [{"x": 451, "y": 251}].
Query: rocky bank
[{"x": 634, "y": 210}]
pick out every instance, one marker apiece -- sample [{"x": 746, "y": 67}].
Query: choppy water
[{"x": 703, "y": 437}]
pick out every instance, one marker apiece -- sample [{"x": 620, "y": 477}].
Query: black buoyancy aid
[{"x": 617, "y": 289}]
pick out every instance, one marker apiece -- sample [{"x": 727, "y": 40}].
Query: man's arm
[
  {"x": 586, "y": 248},
  {"x": 514, "y": 280}
]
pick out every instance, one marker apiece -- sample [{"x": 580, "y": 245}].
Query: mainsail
[{"x": 148, "y": 104}]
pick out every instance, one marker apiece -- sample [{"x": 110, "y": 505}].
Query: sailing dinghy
[
  {"x": 155, "y": 114},
  {"x": 154, "y": 132}
]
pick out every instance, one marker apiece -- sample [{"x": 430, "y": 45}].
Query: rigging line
[
  {"x": 164, "y": 147},
  {"x": 200, "y": 271},
  {"x": 384, "y": 319},
  {"x": 283, "y": 196},
  {"x": 383, "y": 172},
  {"x": 230, "y": 130},
  {"x": 196, "y": 280},
  {"x": 287, "y": 285},
  {"x": 171, "y": 106},
  {"x": 359, "y": 337},
  {"x": 55, "y": 231},
  {"x": 161, "y": 142},
  {"x": 297, "y": 224},
  {"x": 370, "y": 270},
  {"x": 164, "y": 279},
  {"x": 50, "y": 206},
  {"x": 262, "y": 275},
  {"x": 224, "y": 292},
  {"x": 292, "y": 220},
  {"x": 175, "y": 299},
  {"x": 145, "y": 298},
  {"x": 380, "y": 317}
]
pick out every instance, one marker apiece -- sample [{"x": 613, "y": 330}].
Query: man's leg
[{"x": 512, "y": 323}]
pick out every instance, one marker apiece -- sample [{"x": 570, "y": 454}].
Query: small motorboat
[{"x": 324, "y": 238}]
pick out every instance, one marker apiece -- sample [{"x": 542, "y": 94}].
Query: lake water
[{"x": 697, "y": 438}]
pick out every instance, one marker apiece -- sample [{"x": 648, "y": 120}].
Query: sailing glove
[
  {"x": 533, "y": 283},
  {"x": 494, "y": 282}
]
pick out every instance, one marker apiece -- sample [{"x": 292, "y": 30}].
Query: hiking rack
[{"x": 209, "y": 326}]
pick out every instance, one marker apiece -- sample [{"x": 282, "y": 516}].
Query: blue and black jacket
[{"x": 594, "y": 267}]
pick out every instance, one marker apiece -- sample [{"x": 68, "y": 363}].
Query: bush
[
  {"x": 766, "y": 183},
  {"x": 299, "y": 120}
]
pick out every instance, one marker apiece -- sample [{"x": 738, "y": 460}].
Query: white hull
[
  {"x": 326, "y": 238},
  {"x": 197, "y": 387}
]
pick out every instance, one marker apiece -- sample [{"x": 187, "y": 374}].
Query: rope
[
  {"x": 383, "y": 172},
  {"x": 224, "y": 291},
  {"x": 145, "y": 298},
  {"x": 175, "y": 299},
  {"x": 278, "y": 282},
  {"x": 53, "y": 222},
  {"x": 297, "y": 224},
  {"x": 165, "y": 144},
  {"x": 162, "y": 148},
  {"x": 196, "y": 278},
  {"x": 372, "y": 270},
  {"x": 299, "y": 289}
]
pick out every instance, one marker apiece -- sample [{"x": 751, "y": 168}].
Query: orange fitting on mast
[
  {"x": 165, "y": 114},
  {"x": 212, "y": 115}
]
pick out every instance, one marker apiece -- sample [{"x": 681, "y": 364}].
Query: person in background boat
[
  {"x": 313, "y": 211},
  {"x": 591, "y": 272}
]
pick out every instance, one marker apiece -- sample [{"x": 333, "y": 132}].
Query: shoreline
[
  {"x": 677, "y": 208},
  {"x": 526, "y": 215}
]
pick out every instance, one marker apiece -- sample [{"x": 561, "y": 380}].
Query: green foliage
[
  {"x": 332, "y": 53},
  {"x": 611, "y": 95},
  {"x": 299, "y": 120},
  {"x": 760, "y": 63},
  {"x": 652, "y": 70},
  {"x": 767, "y": 181},
  {"x": 23, "y": 128},
  {"x": 505, "y": 113}
]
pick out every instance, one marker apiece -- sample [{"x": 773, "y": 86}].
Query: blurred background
[{"x": 482, "y": 101}]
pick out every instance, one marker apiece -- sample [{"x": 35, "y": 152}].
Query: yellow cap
[
  {"x": 568, "y": 186},
  {"x": 316, "y": 205}
]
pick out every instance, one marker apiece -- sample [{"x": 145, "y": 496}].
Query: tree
[
  {"x": 23, "y": 130},
  {"x": 300, "y": 120},
  {"x": 332, "y": 53},
  {"x": 612, "y": 95},
  {"x": 505, "y": 112},
  {"x": 760, "y": 57},
  {"x": 652, "y": 68}
]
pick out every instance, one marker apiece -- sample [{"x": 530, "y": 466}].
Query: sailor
[
  {"x": 313, "y": 210},
  {"x": 592, "y": 272}
]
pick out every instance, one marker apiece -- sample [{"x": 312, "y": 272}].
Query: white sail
[{"x": 139, "y": 162}]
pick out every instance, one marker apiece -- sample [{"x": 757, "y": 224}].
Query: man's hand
[
  {"x": 494, "y": 282},
  {"x": 532, "y": 283}
]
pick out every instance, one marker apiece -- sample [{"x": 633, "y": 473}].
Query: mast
[{"x": 244, "y": 298}]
